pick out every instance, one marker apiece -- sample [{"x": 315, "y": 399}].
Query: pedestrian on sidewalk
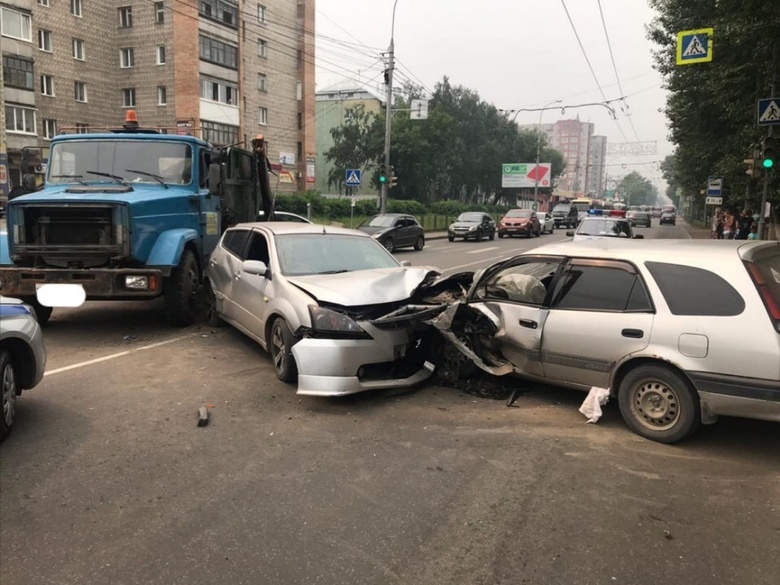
[
  {"x": 717, "y": 224},
  {"x": 746, "y": 222},
  {"x": 753, "y": 235},
  {"x": 730, "y": 226}
]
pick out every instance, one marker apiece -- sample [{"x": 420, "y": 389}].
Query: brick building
[{"x": 225, "y": 70}]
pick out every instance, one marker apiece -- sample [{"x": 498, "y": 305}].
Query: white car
[
  {"x": 596, "y": 228},
  {"x": 336, "y": 311},
  {"x": 547, "y": 222},
  {"x": 284, "y": 216}
]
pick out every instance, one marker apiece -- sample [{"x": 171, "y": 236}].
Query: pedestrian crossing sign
[
  {"x": 353, "y": 177},
  {"x": 694, "y": 46}
]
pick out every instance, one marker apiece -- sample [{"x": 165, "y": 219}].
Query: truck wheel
[
  {"x": 181, "y": 291},
  {"x": 42, "y": 313},
  {"x": 280, "y": 345},
  {"x": 659, "y": 404},
  {"x": 8, "y": 390}
]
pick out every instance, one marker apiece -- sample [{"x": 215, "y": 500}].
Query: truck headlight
[
  {"x": 334, "y": 324},
  {"x": 137, "y": 282}
]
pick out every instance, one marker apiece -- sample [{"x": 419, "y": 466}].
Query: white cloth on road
[{"x": 591, "y": 407}]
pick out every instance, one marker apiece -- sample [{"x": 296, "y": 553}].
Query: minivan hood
[{"x": 364, "y": 287}]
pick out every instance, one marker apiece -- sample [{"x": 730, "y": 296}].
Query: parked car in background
[
  {"x": 668, "y": 216},
  {"x": 661, "y": 324},
  {"x": 656, "y": 212},
  {"x": 637, "y": 216},
  {"x": 519, "y": 222},
  {"x": 284, "y": 216},
  {"x": 472, "y": 225},
  {"x": 315, "y": 297},
  {"x": 395, "y": 230},
  {"x": 547, "y": 222},
  {"x": 22, "y": 357},
  {"x": 565, "y": 214},
  {"x": 594, "y": 228}
]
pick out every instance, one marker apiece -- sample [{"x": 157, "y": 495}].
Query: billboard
[{"x": 525, "y": 175}]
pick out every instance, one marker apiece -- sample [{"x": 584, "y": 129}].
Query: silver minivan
[{"x": 680, "y": 332}]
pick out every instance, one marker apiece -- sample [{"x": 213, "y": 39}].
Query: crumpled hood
[{"x": 364, "y": 287}]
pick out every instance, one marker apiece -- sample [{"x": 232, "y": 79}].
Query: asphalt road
[{"x": 107, "y": 478}]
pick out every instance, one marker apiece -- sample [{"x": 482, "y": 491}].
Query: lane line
[
  {"x": 116, "y": 355},
  {"x": 481, "y": 250}
]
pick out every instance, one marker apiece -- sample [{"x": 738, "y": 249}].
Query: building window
[
  {"x": 217, "y": 52},
  {"x": 82, "y": 128},
  {"x": 161, "y": 54},
  {"x": 19, "y": 120},
  {"x": 262, "y": 116},
  {"x": 47, "y": 85},
  {"x": 298, "y": 90},
  {"x": 80, "y": 91},
  {"x": 75, "y": 7},
  {"x": 223, "y": 11},
  {"x": 49, "y": 128},
  {"x": 44, "y": 40},
  {"x": 127, "y": 58},
  {"x": 43, "y": 2},
  {"x": 219, "y": 134},
  {"x": 162, "y": 95},
  {"x": 300, "y": 150},
  {"x": 218, "y": 91},
  {"x": 262, "y": 82},
  {"x": 159, "y": 12},
  {"x": 262, "y": 48},
  {"x": 18, "y": 72},
  {"x": 300, "y": 120},
  {"x": 128, "y": 97},
  {"x": 78, "y": 49},
  {"x": 262, "y": 13},
  {"x": 126, "y": 17},
  {"x": 16, "y": 25}
]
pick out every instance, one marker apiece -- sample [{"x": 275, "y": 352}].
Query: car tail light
[{"x": 770, "y": 300}]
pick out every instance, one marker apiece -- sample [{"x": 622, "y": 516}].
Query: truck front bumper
[{"x": 98, "y": 283}]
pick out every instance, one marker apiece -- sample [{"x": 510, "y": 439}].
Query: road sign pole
[
  {"x": 388, "y": 111},
  {"x": 765, "y": 193}
]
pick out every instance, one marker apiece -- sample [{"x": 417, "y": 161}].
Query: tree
[
  {"x": 354, "y": 144},
  {"x": 637, "y": 190},
  {"x": 669, "y": 174},
  {"x": 712, "y": 106}
]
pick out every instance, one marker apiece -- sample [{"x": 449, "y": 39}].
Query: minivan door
[{"x": 600, "y": 312}]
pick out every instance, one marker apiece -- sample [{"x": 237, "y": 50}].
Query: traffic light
[
  {"x": 393, "y": 178},
  {"x": 753, "y": 169},
  {"x": 768, "y": 152},
  {"x": 382, "y": 174}
]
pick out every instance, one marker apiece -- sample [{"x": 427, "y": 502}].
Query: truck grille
[{"x": 69, "y": 226}]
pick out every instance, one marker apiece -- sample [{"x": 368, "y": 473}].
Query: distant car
[
  {"x": 669, "y": 217},
  {"x": 284, "y": 216},
  {"x": 22, "y": 356},
  {"x": 395, "y": 230},
  {"x": 519, "y": 222},
  {"x": 547, "y": 222},
  {"x": 565, "y": 215},
  {"x": 472, "y": 225},
  {"x": 595, "y": 228},
  {"x": 639, "y": 217},
  {"x": 661, "y": 324},
  {"x": 656, "y": 212}
]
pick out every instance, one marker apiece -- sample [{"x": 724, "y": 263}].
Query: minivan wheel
[
  {"x": 280, "y": 344},
  {"x": 659, "y": 404}
]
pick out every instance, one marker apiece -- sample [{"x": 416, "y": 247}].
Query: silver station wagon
[{"x": 680, "y": 332}]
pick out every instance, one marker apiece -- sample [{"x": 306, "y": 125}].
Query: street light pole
[
  {"x": 388, "y": 112},
  {"x": 539, "y": 153}
]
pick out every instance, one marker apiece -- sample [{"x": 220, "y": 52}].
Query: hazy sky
[{"x": 515, "y": 53}]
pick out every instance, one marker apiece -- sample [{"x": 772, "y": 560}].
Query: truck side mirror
[{"x": 215, "y": 178}]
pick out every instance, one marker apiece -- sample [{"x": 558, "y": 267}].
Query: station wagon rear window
[{"x": 689, "y": 290}]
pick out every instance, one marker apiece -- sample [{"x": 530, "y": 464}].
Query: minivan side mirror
[
  {"x": 255, "y": 267},
  {"x": 570, "y": 233}
]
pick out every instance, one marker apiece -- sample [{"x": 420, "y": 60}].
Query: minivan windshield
[
  {"x": 136, "y": 161},
  {"x": 301, "y": 254}
]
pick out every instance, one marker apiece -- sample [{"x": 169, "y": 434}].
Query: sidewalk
[{"x": 695, "y": 233}]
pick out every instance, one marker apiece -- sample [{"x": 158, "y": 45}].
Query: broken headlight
[{"x": 328, "y": 323}]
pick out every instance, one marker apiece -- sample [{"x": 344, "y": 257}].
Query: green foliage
[
  {"x": 712, "y": 106},
  {"x": 402, "y": 206},
  {"x": 637, "y": 190}
]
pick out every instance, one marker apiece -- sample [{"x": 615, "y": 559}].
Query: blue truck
[{"x": 130, "y": 214}]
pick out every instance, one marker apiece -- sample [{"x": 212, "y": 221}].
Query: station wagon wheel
[
  {"x": 280, "y": 344},
  {"x": 659, "y": 404},
  {"x": 8, "y": 388}
]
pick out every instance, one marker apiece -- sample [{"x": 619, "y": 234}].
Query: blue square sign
[{"x": 353, "y": 177}]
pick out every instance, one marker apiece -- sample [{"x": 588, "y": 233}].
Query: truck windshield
[{"x": 170, "y": 161}]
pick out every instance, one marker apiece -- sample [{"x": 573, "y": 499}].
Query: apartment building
[
  {"x": 597, "y": 158},
  {"x": 225, "y": 70}
]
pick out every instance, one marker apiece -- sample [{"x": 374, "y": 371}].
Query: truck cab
[{"x": 126, "y": 215}]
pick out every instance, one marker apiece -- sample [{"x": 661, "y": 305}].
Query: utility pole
[
  {"x": 765, "y": 194},
  {"x": 388, "y": 111},
  {"x": 539, "y": 153}
]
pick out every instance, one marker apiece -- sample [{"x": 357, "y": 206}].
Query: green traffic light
[
  {"x": 768, "y": 163},
  {"x": 382, "y": 179}
]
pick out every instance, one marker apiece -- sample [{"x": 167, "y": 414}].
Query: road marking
[
  {"x": 115, "y": 355},
  {"x": 481, "y": 250}
]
